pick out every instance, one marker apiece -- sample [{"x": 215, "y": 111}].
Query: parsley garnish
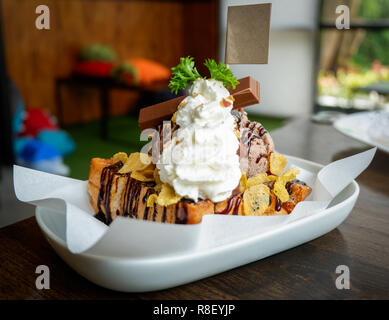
[
  {"x": 222, "y": 73},
  {"x": 183, "y": 74},
  {"x": 186, "y": 73}
]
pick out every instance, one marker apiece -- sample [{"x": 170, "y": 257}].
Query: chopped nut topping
[
  {"x": 225, "y": 103},
  {"x": 174, "y": 117},
  {"x": 182, "y": 104}
]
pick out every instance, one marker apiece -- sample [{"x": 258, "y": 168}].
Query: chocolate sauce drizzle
[
  {"x": 103, "y": 200},
  {"x": 278, "y": 204},
  {"x": 259, "y": 158},
  {"x": 131, "y": 194},
  {"x": 155, "y": 212},
  {"x": 248, "y": 138},
  {"x": 288, "y": 187},
  {"x": 101, "y": 216},
  {"x": 230, "y": 203},
  {"x": 144, "y": 201},
  {"x": 163, "y": 219},
  {"x": 146, "y": 213},
  {"x": 228, "y": 207},
  {"x": 180, "y": 213},
  {"x": 236, "y": 208}
]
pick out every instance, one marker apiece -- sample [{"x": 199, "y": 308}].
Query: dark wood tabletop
[{"x": 305, "y": 272}]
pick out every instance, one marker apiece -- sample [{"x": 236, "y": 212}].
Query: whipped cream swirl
[{"x": 201, "y": 161}]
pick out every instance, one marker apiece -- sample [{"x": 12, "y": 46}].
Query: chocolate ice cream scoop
[{"x": 256, "y": 144}]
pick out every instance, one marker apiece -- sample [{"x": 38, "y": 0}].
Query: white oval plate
[
  {"x": 150, "y": 274},
  {"x": 356, "y": 126}
]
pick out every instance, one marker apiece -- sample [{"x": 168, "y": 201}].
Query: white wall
[{"x": 288, "y": 78}]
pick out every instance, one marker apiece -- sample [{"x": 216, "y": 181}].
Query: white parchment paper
[{"x": 127, "y": 237}]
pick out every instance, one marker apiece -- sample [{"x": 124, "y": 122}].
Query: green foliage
[
  {"x": 374, "y": 9},
  {"x": 98, "y": 52},
  {"x": 376, "y": 43},
  {"x": 186, "y": 73},
  {"x": 222, "y": 73},
  {"x": 183, "y": 74},
  {"x": 123, "y": 71},
  {"x": 374, "y": 47}
]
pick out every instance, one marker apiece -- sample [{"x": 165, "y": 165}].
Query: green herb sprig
[
  {"x": 221, "y": 72},
  {"x": 183, "y": 74},
  {"x": 186, "y": 73}
]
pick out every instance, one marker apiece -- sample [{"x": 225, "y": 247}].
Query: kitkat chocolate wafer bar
[{"x": 245, "y": 94}]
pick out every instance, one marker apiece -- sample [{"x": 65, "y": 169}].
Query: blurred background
[{"x": 74, "y": 91}]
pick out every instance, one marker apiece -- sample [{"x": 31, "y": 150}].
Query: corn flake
[
  {"x": 256, "y": 200},
  {"x": 290, "y": 174},
  {"x": 243, "y": 182},
  {"x": 174, "y": 117},
  {"x": 136, "y": 162},
  {"x": 277, "y": 163},
  {"x": 156, "y": 176},
  {"x": 279, "y": 186},
  {"x": 280, "y": 191},
  {"x": 142, "y": 175},
  {"x": 157, "y": 179},
  {"x": 167, "y": 196},
  {"x": 120, "y": 156},
  {"x": 151, "y": 200},
  {"x": 182, "y": 104},
  {"x": 257, "y": 179}
]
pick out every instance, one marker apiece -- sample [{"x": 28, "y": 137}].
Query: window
[{"x": 354, "y": 64}]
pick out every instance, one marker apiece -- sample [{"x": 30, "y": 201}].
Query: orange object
[{"x": 148, "y": 71}]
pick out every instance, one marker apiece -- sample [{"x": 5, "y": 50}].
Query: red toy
[
  {"x": 36, "y": 120},
  {"x": 98, "y": 69}
]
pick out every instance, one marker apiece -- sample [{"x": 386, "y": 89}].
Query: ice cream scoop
[{"x": 256, "y": 145}]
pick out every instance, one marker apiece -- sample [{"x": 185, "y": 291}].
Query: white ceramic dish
[
  {"x": 356, "y": 126},
  {"x": 150, "y": 274}
]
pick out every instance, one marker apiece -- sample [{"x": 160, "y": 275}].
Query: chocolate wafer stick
[{"x": 245, "y": 94}]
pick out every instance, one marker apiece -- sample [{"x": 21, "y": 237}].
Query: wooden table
[{"x": 305, "y": 272}]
